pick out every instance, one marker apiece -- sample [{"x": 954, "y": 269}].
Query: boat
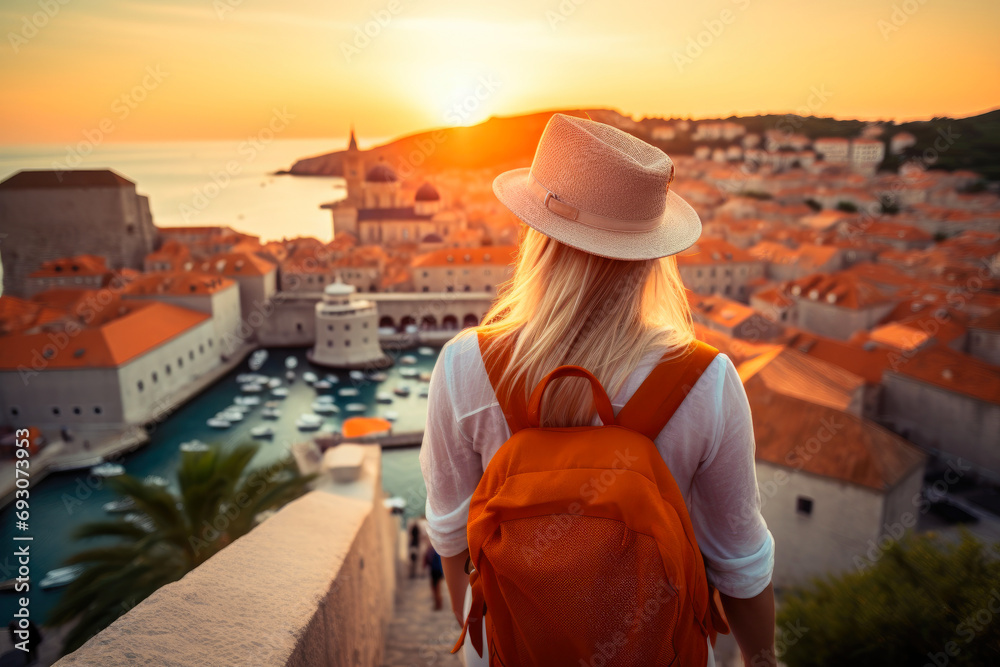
[
  {"x": 331, "y": 378},
  {"x": 274, "y": 383},
  {"x": 309, "y": 377},
  {"x": 243, "y": 378},
  {"x": 107, "y": 470},
  {"x": 247, "y": 401},
  {"x": 271, "y": 413},
  {"x": 231, "y": 416},
  {"x": 349, "y": 391},
  {"x": 194, "y": 446},
  {"x": 356, "y": 407},
  {"x": 411, "y": 329},
  {"x": 378, "y": 376},
  {"x": 322, "y": 385},
  {"x": 262, "y": 431},
  {"x": 252, "y": 387},
  {"x": 257, "y": 359},
  {"x": 62, "y": 576},
  {"x": 357, "y": 376},
  {"x": 424, "y": 377},
  {"x": 308, "y": 422},
  {"x": 291, "y": 362},
  {"x": 141, "y": 520},
  {"x": 424, "y": 392},
  {"x": 409, "y": 372},
  {"x": 324, "y": 398},
  {"x": 324, "y": 408},
  {"x": 280, "y": 392},
  {"x": 401, "y": 390},
  {"x": 120, "y": 505},
  {"x": 237, "y": 407},
  {"x": 156, "y": 480},
  {"x": 218, "y": 422},
  {"x": 408, "y": 359},
  {"x": 290, "y": 376},
  {"x": 391, "y": 415},
  {"x": 383, "y": 397},
  {"x": 426, "y": 351}
]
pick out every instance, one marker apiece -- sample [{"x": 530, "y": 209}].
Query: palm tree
[{"x": 168, "y": 535}]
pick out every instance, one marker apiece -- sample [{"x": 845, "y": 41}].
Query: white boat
[
  {"x": 383, "y": 397},
  {"x": 308, "y": 422},
  {"x": 252, "y": 387},
  {"x": 62, "y": 576},
  {"x": 322, "y": 385},
  {"x": 408, "y": 359},
  {"x": 218, "y": 422},
  {"x": 331, "y": 378},
  {"x": 357, "y": 376},
  {"x": 309, "y": 377},
  {"x": 391, "y": 415},
  {"x": 324, "y": 408},
  {"x": 262, "y": 431},
  {"x": 424, "y": 392},
  {"x": 290, "y": 376},
  {"x": 231, "y": 416},
  {"x": 411, "y": 329},
  {"x": 194, "y": 446},
  {"x": 291, "y": 362},
  {"x": 247, "y": 401},
  {"x": 120, "y": 505},
  {"x": 401, "y": 390},
  {"x": 356, "y": 407},
  {"x": 271, "y": 413},
  {"x": 409, "y": 372},
  {"x": 274, "y": 383},
  {"x": 426, "y": 351},
  {"x": 280, "y": 392},
  {"x": 324, "y": 398},
  {"x": 107, "y": 470},
  {"x": 243, "y": 378},
  {"x": 141, "y": 520},
  {"x": 156, "y": 480},
  {"x": 378, "y": 376},
  {"x": 257, "y": 359},
  {"x": 348, "y": 391},
  {"x": 238, "y": 407},
  {"x": 424, "y": 377}
]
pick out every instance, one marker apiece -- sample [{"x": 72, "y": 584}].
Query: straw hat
[{"x": 601, "y": 190}]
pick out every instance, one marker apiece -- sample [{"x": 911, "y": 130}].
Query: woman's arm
[
  {"x": 752, "y": 623},
  {"x": 458, "y": 582}
]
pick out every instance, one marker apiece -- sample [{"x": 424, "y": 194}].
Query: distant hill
[{"x": 974, "y": 141}]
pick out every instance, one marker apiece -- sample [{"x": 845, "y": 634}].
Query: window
[
  {"x": 211, "y": 342},
  {"x": 804, "y": 505},
  {"x": 364, "y": 340},
  {"x": 201, "y": 349},
  {"x": 347, "y": 327},
  {"x": 155, "y": 378},
  {"x": 76, "y": 409},
  {"x": 467, "y": 288},
  {"x": 450, "y": 288},
  {"x": 298, "y": 326},
  {"x": 97, "y": 409},
  {"x": 140, "y": 385},
  {"x": 329, "y": 343},
  {"x": 347, "y": 342},
  {"x": 180, "y": 362},
  {"x": 191, "y": 355},
  {"x": 15, "y": 411},
  {"x": 425, "y": 274},
  {"x": 426, "y": 288},
  {"x": 329, "y": 327},
  {"x": 489, "y": 288},
  {"x": 364, "y": 325},
  {"x": 168, "y": 369},
  {"x": 55, "y": 410}
]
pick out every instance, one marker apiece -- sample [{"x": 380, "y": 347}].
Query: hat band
[{"x": 551, "y": 201}]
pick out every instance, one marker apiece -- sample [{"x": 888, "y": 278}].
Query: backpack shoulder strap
[
  {"x": 515, "y": 410},
  {"x": 661, "y": 393}
]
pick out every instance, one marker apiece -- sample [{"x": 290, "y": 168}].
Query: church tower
[{"x": 354, "y": 173}]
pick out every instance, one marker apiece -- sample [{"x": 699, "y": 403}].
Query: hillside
[{"x": 974, "y": 141}]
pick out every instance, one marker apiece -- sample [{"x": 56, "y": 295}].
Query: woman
[{"x": 596, "y": 285}]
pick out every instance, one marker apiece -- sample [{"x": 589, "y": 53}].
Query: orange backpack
[{"x": 583, "y": 549}]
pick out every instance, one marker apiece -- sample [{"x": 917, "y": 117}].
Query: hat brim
[{"x": 678, "y": 230}]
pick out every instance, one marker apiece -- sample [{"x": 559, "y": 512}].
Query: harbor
[{"x": 62, "y": 501}]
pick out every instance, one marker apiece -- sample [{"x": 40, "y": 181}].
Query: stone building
[
  {"x": 463, "y": 269},
  {"x": 346, "y": 331},
  {"x": 376, "y": 211},
  {"x": 713, "y": 266},
  {"x": 833, "y": 486},
  {"x": 48, "y": 214},
  {"x": 56, "y": 370}
]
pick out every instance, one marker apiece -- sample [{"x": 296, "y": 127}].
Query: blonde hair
[{"x": 566, "y": 306}]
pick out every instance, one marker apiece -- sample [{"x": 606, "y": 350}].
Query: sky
[{"x": 162, "y": 70}]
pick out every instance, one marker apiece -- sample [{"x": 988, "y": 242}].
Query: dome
[
  {"x": 339, "y": 289},
  {"x": 427, "y": 192},
  {"x": 432, "y": 238},
  {"x": 381, "y": 173}
]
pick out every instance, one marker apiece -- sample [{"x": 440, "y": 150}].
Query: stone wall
[{"x": 312, "y": 585}]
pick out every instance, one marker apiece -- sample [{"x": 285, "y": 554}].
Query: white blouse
[{"x": 708, "y": 446}]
